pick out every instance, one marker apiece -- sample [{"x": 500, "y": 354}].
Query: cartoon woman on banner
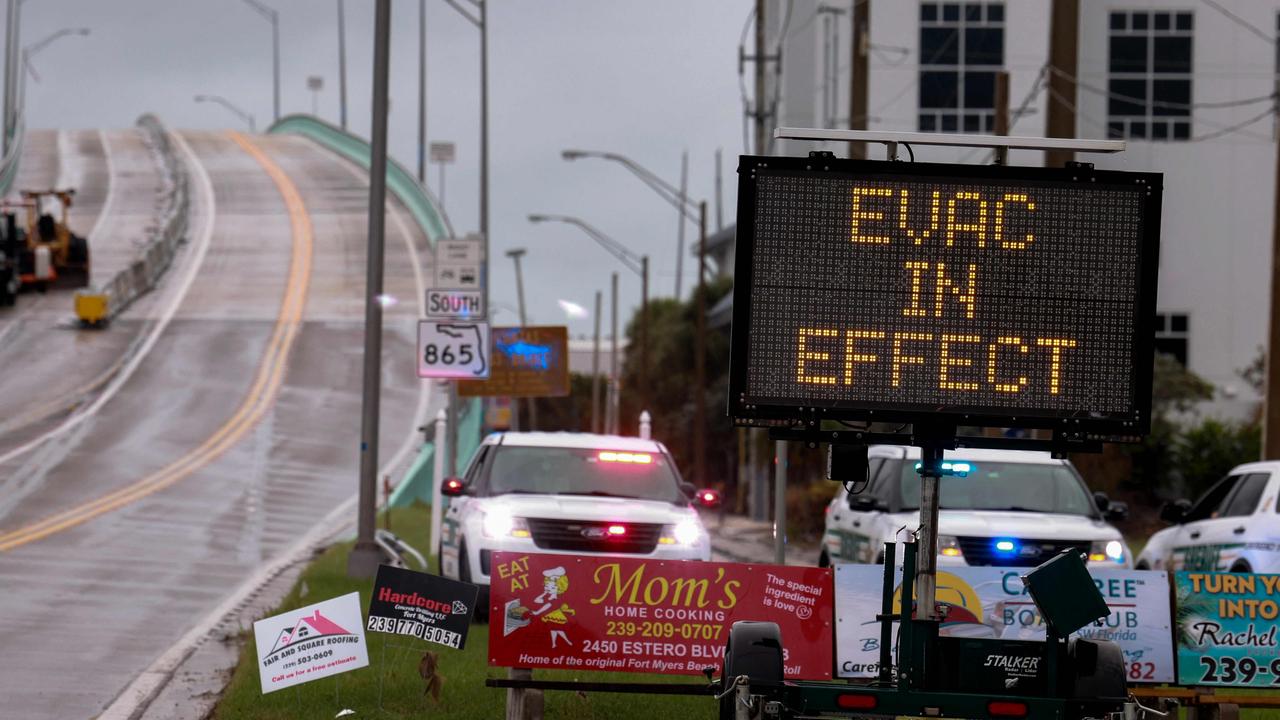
[{"x": 554, "y": 584}]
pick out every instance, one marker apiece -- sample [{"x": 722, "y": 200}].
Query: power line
[
  {"x": 1223, "y": 131},
  {"x": 1163, "y": 103},
  {"x": 1241, "y": 21}
]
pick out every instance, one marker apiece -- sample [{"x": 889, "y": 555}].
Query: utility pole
[
  {"x": 684, "y": 190},
  {"x": 1064, "y": 39},
  {"x": 644, "y": 334},
  {"x": 1002, "y": 114},
  {"x": 859, "y": 45},
  {"x": 483, "y": 6},
  {"x": 342, "y": 64},
  {"x": 364, "y": 558},
  {"x": 1271, "y": 390},
  {"x": 422, "y": 92},
  {"x": 719, "y": 194},
  {"x": 762, "y": 125},
  {"x": 11, "y": 71},
  {"x": 515, "y": 254},
  {"x": 700, "y": 360},
  {"x": 611, "y": 426},
  {"x": 595, "y": 370}
]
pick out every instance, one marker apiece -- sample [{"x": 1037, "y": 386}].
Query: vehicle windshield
[
  {"x": 574, "y": 471},
  {"x": 1022, "y": 487}
]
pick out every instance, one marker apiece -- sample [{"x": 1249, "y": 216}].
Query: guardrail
[
  {"x": 103, "y": 302},
  {"x": 421, "y": 204}
]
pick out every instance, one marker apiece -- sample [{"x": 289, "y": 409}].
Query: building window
[
  {"x": 1150, "y": 76},
  {"x": 1171, "y": 336},
  {"x": 961, "y": 49}
]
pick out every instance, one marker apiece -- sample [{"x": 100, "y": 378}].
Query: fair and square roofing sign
[{"x": 310, "y": 643}]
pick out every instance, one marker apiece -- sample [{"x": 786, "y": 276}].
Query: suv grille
[
  {"x": 981, "y": 551},
  {"x": 592, "y": 536}
]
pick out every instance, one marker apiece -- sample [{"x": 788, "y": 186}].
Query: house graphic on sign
[{"x": 307, "y": 628}]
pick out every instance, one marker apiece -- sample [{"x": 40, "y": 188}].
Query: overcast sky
[{"x": 646, "y": 79}]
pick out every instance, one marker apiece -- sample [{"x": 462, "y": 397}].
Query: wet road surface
[{"x": 236, "y": 432}]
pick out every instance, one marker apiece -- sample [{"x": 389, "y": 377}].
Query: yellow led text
[{"x": 987, "y": 222}]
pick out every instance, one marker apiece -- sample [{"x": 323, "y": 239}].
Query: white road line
[
  {"x": 109, "y": 201},
  {"x": 139, "y": 694},
  {"x": 203, "y": 237}
]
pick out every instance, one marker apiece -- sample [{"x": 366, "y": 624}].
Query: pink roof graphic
[{"x": 308, "y": 627}]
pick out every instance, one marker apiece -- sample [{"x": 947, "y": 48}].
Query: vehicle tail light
[
  {"x": 1007, "y": 708},
  {"x": 856, "y": 702},
  {"x": 624, "y": 457}
]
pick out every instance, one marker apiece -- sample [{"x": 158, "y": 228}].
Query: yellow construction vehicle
[{"x": 52, "y": 255}]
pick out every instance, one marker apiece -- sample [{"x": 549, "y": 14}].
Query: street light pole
[
  {"x": 595, "y": 369},
  {"x": 515, "y": 254},
  {"x": 342, "y": 64},
  {"x": 700, "y": 361},
  {"x": 611, "y": 425},
  {"x": 219, "y": 100},
  {"x": 34, "y": 49},
  {"x": 636, "y": 264},
  {"x": 364, "y": 558},
  {"x": 274, "y": 18},
  {"x": 422, "y": 92}
]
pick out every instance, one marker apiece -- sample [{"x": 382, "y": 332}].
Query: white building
[{"x": 1187, "y": 83}]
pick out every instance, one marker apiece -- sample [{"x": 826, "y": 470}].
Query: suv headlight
[
  {"x": 497, "y": 524},
  {"x": 949, "y": 546},
  {"x": 1106, "y": 550},
  {"x": 684, "y": 533}
]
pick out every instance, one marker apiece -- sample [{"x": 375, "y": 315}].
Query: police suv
[
  {"x": 998, "y": 507},
  {"x": 567, "y": 493},
  {"x": 1233, "y": 527}
]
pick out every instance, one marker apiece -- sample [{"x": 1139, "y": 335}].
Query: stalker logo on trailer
[{"x": 984, "y": 295}]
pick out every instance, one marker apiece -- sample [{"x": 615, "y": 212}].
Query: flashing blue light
[
  {"x": 1006, "y": 546},
  {"x": 952, "y": 468}
]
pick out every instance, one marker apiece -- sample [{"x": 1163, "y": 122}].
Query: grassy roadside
[{"x": 390, "y": 686}]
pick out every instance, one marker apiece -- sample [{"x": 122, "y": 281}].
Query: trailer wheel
[{"x": 754, "y": 649}]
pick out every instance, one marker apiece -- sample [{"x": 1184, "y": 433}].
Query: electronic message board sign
[{"x": 977, "y": 295}]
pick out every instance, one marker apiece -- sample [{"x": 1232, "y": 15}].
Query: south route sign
[
  {"x": 526, "y": 362},
  {"x": 970, "y": 294}
]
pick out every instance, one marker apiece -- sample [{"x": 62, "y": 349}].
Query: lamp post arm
[
  {"x": 463, "y": 12},
  {"x": 615, "y": 248}
]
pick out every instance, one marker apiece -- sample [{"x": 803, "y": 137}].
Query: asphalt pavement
[{"x": 227, "y": 438}]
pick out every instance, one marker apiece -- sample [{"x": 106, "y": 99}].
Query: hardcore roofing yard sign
[
  {"x": 633, "y": 615},
  {"x": 1227, "y": 626},
  {"x": 990, "y": 602},
  {"x": 310, "y": 643},
  {"x": 425, "y": 606}
]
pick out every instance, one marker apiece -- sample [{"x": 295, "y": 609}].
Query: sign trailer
[{"x": 944, "y": 296}]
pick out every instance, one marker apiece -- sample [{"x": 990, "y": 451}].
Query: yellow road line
[{"x": 261, "y": 395}]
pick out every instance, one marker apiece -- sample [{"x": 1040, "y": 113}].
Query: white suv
[
  {"x": 1233, "y": 527},
  {"x": 1001, "y": 507},
  {"x": 567, "y": 493}
]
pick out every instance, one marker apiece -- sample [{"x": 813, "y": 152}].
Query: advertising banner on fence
[
  {"x": 1227, "y": 625},
  {"x": 633, "y": 615},
  {"x": 425, "y": 606},
  {"x": 991, "y": 602},
  {"x": 310, "y": 643}
]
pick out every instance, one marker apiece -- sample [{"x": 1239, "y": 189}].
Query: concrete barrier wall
[
  {"x": 421, "y": 204},
  {"x": 163, "y": 239}
]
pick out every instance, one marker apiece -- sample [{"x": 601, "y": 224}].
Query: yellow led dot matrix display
[{"x": 868, "y": 289}]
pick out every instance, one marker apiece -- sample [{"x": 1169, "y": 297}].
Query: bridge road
[{"x": 235, "y": 434}]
